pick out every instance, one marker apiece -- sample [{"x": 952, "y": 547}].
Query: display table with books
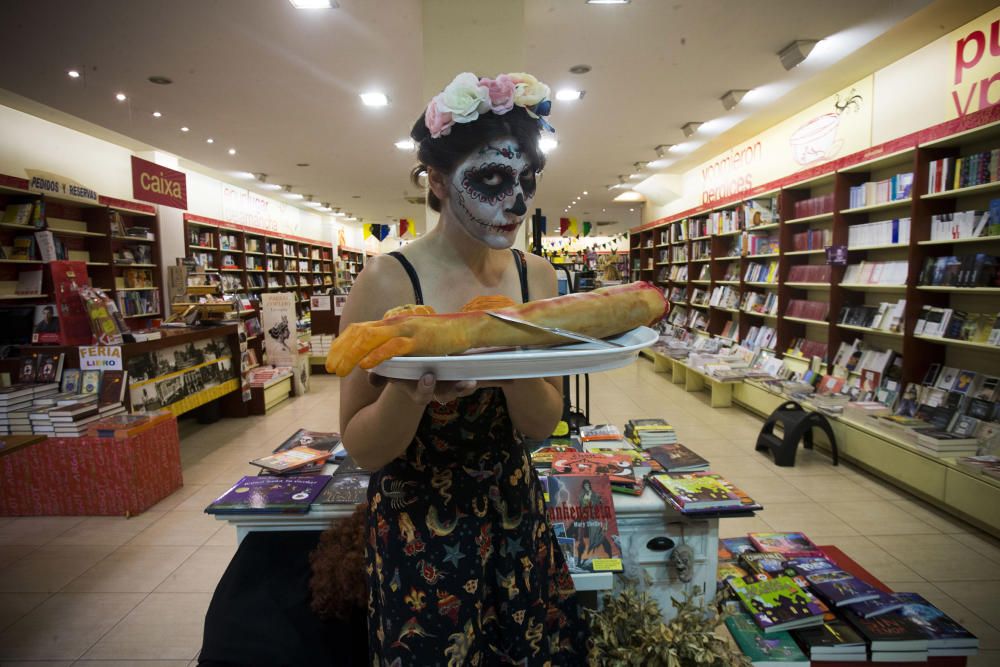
[
  {"x": 123, "y": 474},
  {"x": 641, "y": 519}
]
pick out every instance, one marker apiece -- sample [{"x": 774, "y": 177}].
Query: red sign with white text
[{"x": 154, "y": 183}]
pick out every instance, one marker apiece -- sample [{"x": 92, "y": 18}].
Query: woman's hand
[{"x": 428, "y": 388}]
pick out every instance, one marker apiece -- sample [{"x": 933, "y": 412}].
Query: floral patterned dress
[{"x": 463, "y": 567}]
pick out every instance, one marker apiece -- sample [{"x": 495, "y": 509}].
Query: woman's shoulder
[
  {"x": 541, "y": 277},
  {"x": 381, "y": 285}
]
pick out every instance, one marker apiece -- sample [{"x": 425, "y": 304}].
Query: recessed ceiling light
[
  {"x": 232, "y": 151},
  {"x": 547, "y": 144},
  {"x": 631, "y": 210},
  {"x": 160, "y": 80},
  {"x": 374, "y": 99},
  {"x": 185, "y": 129},
  {"x": 604, "y": 210},
  {"x": 608, "y": 2},
  {"x": 210, "y": 140},
  {"x": 579, "y": 69},
  {"x": 569, "y": 94},
  {"x": 314, "y": 4},
  {"x": 157, "y": 114},
  {"x": 405, "y": 144},
  {"x": 73, "y": 74},
  {"x": 635, "y": 177},
  {"x": 301, "y": 164},
  {"x": 584, "y": 193},
  {"x": 121, "y": 97}
]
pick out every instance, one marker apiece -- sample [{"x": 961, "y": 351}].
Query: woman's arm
[
  {"x": 535, "y": 405},
  {"x": 378, "y": 419}
]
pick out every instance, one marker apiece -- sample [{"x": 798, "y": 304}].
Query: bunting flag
[
  {"x": 572, "y": 229},
  {"x": 586, "y": 228},
  {"x": 366, "y": 229},
  {"x": 563, "y": 226},
  {"x": 380, "y": 231},
  {"x": 407, "y": 229}
]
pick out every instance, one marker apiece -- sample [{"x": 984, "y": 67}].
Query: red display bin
[{"x": 92, "y": 476}]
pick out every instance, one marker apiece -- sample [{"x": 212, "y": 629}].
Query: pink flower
[
  {"x": 437, "y": 121},
  {"x": 501, "y": 92}
]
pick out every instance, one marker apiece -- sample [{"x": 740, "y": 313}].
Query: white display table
[{"x": 640, "y": 519}]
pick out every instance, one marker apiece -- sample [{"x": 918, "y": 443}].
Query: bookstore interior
[{"x": 810, "y": 257}]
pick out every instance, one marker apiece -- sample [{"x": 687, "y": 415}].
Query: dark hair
[{"x": 445, "y": 152}]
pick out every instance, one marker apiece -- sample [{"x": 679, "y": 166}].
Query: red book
[{"x": 74, "y": 324}]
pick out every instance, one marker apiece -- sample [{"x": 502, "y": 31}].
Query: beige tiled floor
[{"x": 108, "y": 591}]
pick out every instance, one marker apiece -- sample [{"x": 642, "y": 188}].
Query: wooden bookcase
[
  {"x": 251, "y": 261},
  {"x": 650, "y": 254},
  {"x": 89, "y": 232}
]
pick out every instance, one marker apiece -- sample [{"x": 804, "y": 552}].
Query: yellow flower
[{"x": 528, "y": 91}]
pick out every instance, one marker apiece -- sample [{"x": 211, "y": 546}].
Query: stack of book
[
  {"x": 814, "y": 239},
  {"x": 676, "y": 457},
  {"x": 809, "y": 273},
  {"x": 880, "y": 273},
  {"x": 623, "y": 472},
  {"x": 17, "y": 403},
  {"x": 701, "y": 493},
  {"x": 963, "y": 225},
  {"x": 886, "y": 232},
  {"x": 650, "y": 432},
  {"x": 814, "y": 206},
  {"x": 986, "y": 464},
  {"x": 601, "y": 433},
  {"x": 777, "y": 589},
  {"x": 808, "y": 310}
]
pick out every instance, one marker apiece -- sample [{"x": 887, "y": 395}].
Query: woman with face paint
[{"x": 463, "y": 567}]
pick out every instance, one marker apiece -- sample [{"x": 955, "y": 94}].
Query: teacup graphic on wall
[{"x": 817, "y": 139}]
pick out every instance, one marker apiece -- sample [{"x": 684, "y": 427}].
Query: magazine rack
[{"x": 796, "y": 424}]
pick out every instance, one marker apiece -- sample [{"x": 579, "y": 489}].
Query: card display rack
[{"x": 824, "y": 209}]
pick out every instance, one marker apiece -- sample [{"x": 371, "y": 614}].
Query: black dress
[{"x": 463, "y": 567}]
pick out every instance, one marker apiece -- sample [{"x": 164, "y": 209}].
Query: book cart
[{"x": 809, "y": 211}]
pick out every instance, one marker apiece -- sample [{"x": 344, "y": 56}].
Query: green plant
[{"x": 629, "y": 630}]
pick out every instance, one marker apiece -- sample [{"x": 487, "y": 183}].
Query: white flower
[
  {"x": 464, "y": 98},
  {"x": 528, "y": 91}
]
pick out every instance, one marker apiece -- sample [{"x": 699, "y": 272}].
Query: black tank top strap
[
  {"x": 522, "y": 272},
  {"x": 418, "y": 295}
]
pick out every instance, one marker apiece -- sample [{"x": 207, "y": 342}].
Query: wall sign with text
[{"x": 158, "y": 184}]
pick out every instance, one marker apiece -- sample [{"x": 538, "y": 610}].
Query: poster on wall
[
  {"x": 280, "y": 339},
  {"x": 319, "y": 302}
]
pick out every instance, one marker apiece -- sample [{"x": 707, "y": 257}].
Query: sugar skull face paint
[{"x": 491, "y": 192}]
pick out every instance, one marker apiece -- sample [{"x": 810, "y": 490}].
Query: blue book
[
  {"x": 883, "y": 604},
  {"x": 270, "y": 495},
  {"x": 941, "y": 631},
  {"x": 833, "y": 585}
]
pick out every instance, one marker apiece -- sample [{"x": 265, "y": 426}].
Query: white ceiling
[{"x": 280, "y": 85}]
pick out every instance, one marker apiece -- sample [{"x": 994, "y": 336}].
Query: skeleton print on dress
[{"x": 491, "y": 192}]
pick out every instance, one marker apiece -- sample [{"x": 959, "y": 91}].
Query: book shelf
[
  {"x": 818, "y": 211},
  {"x": 119, "y": 240},
  {"x": 349, "y": 263}
]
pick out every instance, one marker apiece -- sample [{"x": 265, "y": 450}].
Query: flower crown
[{"x": 468, "y": 96}]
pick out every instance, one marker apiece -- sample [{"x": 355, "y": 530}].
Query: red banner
[{"x": 160, "y": 185}]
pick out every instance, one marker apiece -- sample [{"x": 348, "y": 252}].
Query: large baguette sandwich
[{"x": 602, "y": 313}]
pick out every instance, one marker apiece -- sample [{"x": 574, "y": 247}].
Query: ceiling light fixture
[
  {"x": 690, "y": 128},
  {"x": 374, "y": 99},
  {"x": 73, "y": 74},
  {"x": 732, "y": 98},
  {"x": 579, "y": 69},
  {"x": 314, "y": 4},
  {"x": 289, "y": 194},
  {"x": 350, "y": 218},
  {"x": 635, "y": 177},
  {"x": 661, "y": 150},
  {"x": 608, "y": 2},
  {"x": 185, "y": 129},
  {"x": 121, "y": 97},
  {"x": 585, "y": 193},
  {"x": 639, "y": 166},
  {"x": 405, "y": 144},
  {"x": 157, "y": 114},
  {"x": 232, "y": 151},
  {"x": 210, "y": 140},
  {"x": 160, "y": 80},
  {"x": 547, "y": 144},
  {"x": 569, "y": 94},
  {"x": 795, "y": 53}
]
